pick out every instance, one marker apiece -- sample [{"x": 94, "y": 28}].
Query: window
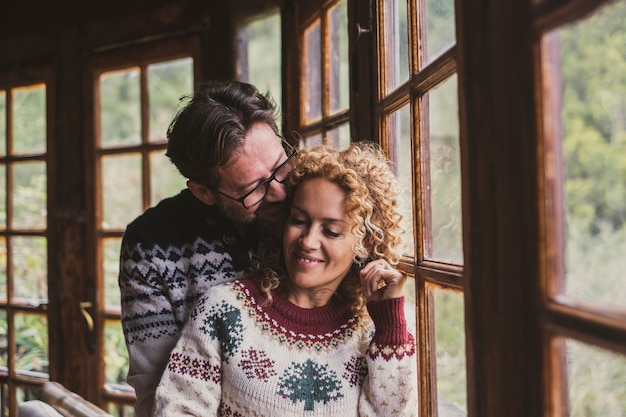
[
  {"x": 137, "y": 93},
  {"x": 323, "y": 109},
  {"x": 24, "y": 170},
  {"x": 584, "y": 134},
  {"x": 77, "y": 166},
  {"x": 419, "y": 126},
  {"x": 410, "y": 106},
  {"x": 506, "y": 124},
  {"x": 259, "y": 39},
  {"x": 537, "y": 95}
]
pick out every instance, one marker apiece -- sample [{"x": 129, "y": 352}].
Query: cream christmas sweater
[{"x": 239, "y": 356}]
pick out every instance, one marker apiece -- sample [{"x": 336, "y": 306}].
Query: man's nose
[{"x": 276, "y": 192}]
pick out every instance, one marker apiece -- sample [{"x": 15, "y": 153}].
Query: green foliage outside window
[
  {"x": 593, "y": 59},
  {"x": 31, "y": 341}
]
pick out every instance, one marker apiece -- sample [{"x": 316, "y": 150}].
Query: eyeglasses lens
[{"x": 261, "y": 190}]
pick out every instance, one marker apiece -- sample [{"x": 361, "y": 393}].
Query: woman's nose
[{"x": 308, "y": 240}]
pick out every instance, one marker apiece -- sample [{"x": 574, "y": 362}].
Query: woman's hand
[{"x": 379, "y": 281}]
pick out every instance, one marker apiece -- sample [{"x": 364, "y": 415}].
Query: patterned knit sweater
[
  {"x": 240, "y": 356},
  {"x": 170, "y": 255}
]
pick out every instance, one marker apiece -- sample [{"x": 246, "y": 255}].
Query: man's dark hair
[{"x": 205, "y": 133}]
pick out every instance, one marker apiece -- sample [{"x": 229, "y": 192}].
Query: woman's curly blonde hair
[{"x": 366, "y": 175}]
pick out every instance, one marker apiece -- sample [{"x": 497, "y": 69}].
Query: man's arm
[{"x": 148, "y": 320}]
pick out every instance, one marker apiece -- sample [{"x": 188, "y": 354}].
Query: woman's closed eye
[
  {"x": 331, "y": 233},
  {"x": 301, "y": 223},
  {"x": 298, "y": 222}
]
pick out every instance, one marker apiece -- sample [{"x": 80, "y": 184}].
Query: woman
[{"x": 297, "y": 338}]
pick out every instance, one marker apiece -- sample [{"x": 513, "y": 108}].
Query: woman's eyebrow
[{"x": 325, "y": 219}]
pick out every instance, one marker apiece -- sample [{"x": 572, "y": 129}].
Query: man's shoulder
[
  {"x": 175, "y": 220},
  {"x": 175, "y": 212},
  {"x": 177, "y": 205}
]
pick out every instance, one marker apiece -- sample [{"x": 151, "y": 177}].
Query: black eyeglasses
[{"x": 254, "y": 197}]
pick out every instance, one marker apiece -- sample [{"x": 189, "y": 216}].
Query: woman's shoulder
[
  {"x": 228, "y": 300},
  {"x": 230, "y": 291}
]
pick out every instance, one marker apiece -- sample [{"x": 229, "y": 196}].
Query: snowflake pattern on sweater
[{"x": 239, "y": 356}]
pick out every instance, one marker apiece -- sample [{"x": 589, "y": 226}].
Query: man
[{"x": 225, "y": 142}]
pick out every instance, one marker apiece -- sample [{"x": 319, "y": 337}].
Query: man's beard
[
  {"x": 237, "y": 217},
  {"x": 272, "y": 221},
  {"x": 270, "y": 216}
]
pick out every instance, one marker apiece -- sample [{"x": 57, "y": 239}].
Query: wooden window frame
[
  {"x": 32, "y": 74},
  {"x": 512, "y": 269},
  {"x": 139, "y": 55},
  {"x": 298, "y": 16}
]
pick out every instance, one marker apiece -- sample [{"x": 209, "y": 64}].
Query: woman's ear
[{"x": 202, "y": 193}]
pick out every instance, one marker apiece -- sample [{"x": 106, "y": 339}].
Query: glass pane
[
  {"x": 29, "y": 120},
  {"x": 339, "y": 77},
  {"x": 3, "y": 122},
  {"x": 31, "y": 343},
  {"x": 596, "y": 381},
  {"x": 120, "y": 116},
  {"x": 311, "y": 141},
  {"x": 111, "y": 266},
  {"x": 3, "y": 196},
  {"x": 29, "y": 258},
  {"x": 312, "y": 75},
  {"x": 445, "y": 173},
  {"x": 121, "y": 190},
  {"x": 167, "y": 82},
  {"x": 440, "y": 33},
  {"x": 450, "y": 347},
  {"x": 399, "y": 136},
  {"x": 3, "y": 270},
  {"x": 396, "y": 58},
  {"x": 25, "y": 393},
  {"x": 165, "y": 180},
  {"x": 116, "y": 355},
  {"x": 339, "y": 138},
  {"x": 259, "y": 63},
  {"x": 29, "y": 195},
  {"x": 593, "y": 65},
  {"x": 4, "y": 340},
  {"x": 119, "y": 410}
]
